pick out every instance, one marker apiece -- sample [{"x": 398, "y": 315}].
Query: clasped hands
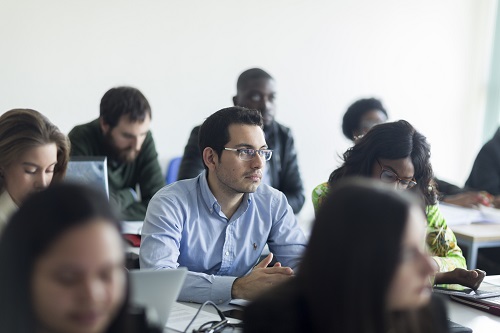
[{"x": 260, "y": 279}]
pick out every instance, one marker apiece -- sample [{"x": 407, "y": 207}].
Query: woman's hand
[{"x": 464, "y": 277}]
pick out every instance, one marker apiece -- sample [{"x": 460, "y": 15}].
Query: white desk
[
  {"x": 471, "y": 231},
  {"x": 479, "y": 321},
  {"x": 475, "y": 236},
  {"x": 187, "y": 310}
]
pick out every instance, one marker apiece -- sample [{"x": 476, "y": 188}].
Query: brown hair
[{"x": 23, "y": 129}]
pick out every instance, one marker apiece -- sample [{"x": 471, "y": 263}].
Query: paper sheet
[
  {"x": 239, "y": 301},
  {"x": 132, "y": 227}
]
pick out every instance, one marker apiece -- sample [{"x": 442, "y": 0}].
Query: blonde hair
[{"x": 23, "y": 129}]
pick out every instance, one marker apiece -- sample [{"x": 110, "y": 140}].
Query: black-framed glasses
[
  {"x": 390, "y": 177},
  {"x": 247, "y": 154}
]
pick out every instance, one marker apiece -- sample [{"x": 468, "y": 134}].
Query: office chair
[{"x": 173, "y": 170}]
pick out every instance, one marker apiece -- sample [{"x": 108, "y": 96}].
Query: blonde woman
[{"x": 33, "y": 153}]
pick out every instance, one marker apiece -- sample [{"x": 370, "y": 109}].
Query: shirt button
[{"x": 227, "y": 253}]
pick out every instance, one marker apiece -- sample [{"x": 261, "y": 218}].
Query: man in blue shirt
[{"x": 218, "y": 223}]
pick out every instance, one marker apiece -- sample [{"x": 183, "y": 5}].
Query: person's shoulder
[
  {"x": 193, "y": 136},
  {"x": 433, "y": 211},
  {"x": 179, "y": 191},
  {"x": 491, "y": 146},
  {"x": 90, "y": 128},
  {"x": 283, "y": 129},
  {"x": 196, "y": 129},
  {"x": 321, "y": 189},
  {"x": 148, "y": 149}
]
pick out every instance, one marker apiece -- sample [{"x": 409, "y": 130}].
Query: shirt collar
[{"x": 211, "y": 201}]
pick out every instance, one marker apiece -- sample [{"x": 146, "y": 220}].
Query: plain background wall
[{"x": 427, "y": 60}]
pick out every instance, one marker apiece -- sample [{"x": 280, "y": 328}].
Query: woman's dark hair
[
  {"x": 360, "y": 222},
  {"x": 40, "y": 221},
  {"x": 393, "y": 140},
  {"x": 353, "y": 115}
]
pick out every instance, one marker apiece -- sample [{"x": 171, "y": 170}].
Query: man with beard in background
[{"x": 121, "y": 133}]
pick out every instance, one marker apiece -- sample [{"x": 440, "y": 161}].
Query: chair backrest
[{"x": 173, "y": 170}]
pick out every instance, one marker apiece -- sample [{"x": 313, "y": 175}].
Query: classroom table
[
  {"x": 475, "y": 236},
  {"x": 474, "y": 228},
  {"x": 479, "y": 321}
]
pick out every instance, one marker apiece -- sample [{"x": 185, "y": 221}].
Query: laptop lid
[
  {"x": 89, "y": 170},
  {"x": 157, "y": 289}
]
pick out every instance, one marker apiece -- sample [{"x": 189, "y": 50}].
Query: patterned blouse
[{"x": 441, "y": 240}]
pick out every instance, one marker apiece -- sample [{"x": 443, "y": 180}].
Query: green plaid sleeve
[
  {"x": 318, "y": 195},
  {"x": 442, "y": 242}
]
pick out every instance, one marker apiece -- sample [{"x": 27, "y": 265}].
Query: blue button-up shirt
[{"x": 185, "y": 226}]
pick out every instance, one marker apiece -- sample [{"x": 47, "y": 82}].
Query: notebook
[
  {"x": 89, "y": 170},
  {"x": 156, "y": 290}
]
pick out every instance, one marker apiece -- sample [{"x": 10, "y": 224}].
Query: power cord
[{"x": 211, "y": 326}]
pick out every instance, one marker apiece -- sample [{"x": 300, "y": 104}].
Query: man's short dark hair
[
  {"x": 251, "y": 74},
  {"x": 352, "y": 117},
  {"x": 214, "y": 132},
  {"x": 121, "y": 101}
]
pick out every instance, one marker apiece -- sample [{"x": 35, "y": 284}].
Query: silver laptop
[
  {"x": 89, "y": 170},
  {"x": 156, "y": 290}
]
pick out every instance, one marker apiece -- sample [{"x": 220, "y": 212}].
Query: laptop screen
[{"x": 89, "y": 170}]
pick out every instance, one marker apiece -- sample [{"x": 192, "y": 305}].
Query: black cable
[{"x": 222, "y": 316}]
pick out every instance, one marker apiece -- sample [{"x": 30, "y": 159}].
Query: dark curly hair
[
  {"x": 393, "y": 140},
  {"x": 352, "y": 117}
]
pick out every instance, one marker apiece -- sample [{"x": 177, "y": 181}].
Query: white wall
[{"x": 428, "y": 61}]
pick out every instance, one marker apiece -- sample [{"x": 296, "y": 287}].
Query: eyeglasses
[
  {"x": 389, "y": 177},
  {"x": 246, "y": 154}
]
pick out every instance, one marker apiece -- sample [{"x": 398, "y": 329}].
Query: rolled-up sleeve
[{"x": 286, "y": 240}]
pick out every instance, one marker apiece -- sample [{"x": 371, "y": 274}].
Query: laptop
[
  {"x": 89, "y": 170},
  {"x": 457, "y": 328},
  {"x": 486, "y": 290},
  {"x": 156, "y": 290},
  {"x": 490, "y": 304}
]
